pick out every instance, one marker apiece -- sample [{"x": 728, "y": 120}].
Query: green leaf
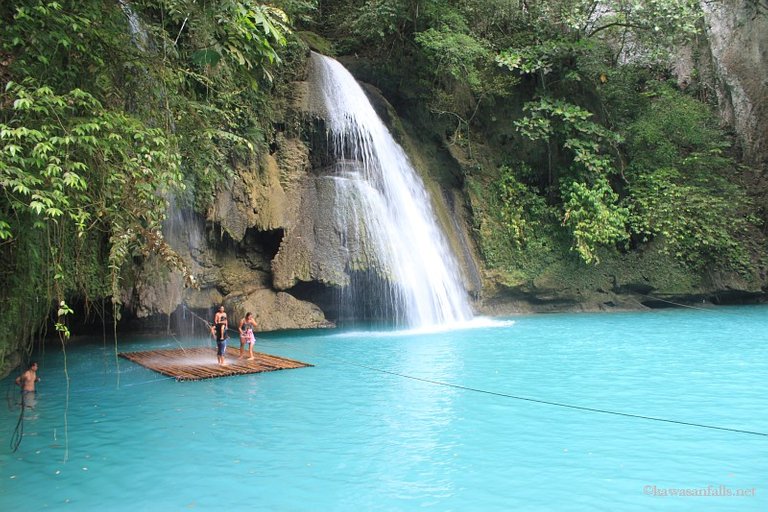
[{"x": 206, "y": 57}]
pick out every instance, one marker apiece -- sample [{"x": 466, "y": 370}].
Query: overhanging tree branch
[{"x": 618, "y": 24}]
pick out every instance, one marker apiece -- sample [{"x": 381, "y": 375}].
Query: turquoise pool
[{"x": 345, "y": 435}]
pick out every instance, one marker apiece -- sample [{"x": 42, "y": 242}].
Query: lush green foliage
[
  {"x": 591, "y": 207},
  {"x": 594, "y": 217},
  {"x": 521, "y": 211},
  {"x": 56, "y": 149},
  {"x": 683, "y": 185},
  {"x": 106, "y": 112},
  {"x": 591, "y": 157}
]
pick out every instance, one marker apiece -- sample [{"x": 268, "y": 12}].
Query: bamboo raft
[{"x": 199, "y": 363}]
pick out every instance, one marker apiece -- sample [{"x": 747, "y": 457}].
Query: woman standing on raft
[{"x": 247, "y": 325}]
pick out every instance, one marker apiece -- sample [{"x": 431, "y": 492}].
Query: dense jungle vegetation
[
  {"x": 576, "y": 147},
  {"x": 104, "y": 117},
  {"x": 577, "y": 144}
]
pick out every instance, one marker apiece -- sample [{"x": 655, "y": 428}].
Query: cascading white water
[
  {"x": 382, "y": 203},
  {"x": 139, "y": 35}
]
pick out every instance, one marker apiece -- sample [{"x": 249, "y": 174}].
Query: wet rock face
[
  {"x": 154, "y": 290},
  {"x": 737, "y": 35},
  {"x": 275, "y": 311},
  {"x": 312, "y": 250},
  {"x": 254, "y": 199},
  {"x": 266, "y": 230}
]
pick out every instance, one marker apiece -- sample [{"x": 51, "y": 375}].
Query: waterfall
[
  {"x": 383, "y": 212},
  {"x": 139, "y": 35}
]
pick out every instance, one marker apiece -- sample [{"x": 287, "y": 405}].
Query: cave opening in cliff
[{"x": 265, "y": 242}]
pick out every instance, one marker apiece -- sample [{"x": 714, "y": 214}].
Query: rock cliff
[{"x": 737, "y": 39}]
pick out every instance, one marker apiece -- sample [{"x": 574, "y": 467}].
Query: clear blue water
[{"x": 340, "y": 436}]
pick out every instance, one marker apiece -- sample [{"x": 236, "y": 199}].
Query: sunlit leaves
[
  {"x": 666, "y": 20},
  {"x": 591, "y": 206},
  {"x": 245, "y": 33},
  {"x": 594, "y": 216},
  {"x": 377, "y": 20},
  {"x": 543, "y": 56},
  {"x": 54, "y": 163},
  {"x": 454, "y": 53},
  {"x": 587, "y": 140},
  {"x": 521, "y": 211}
]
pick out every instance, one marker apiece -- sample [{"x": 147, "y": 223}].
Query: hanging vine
[{"x": 96, "y": 132}]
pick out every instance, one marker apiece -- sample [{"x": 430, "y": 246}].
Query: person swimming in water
[
  {"x": 219, "y": 332},
  {"x": 247, "y": 337},
  {"x": 27, "y": 381}
]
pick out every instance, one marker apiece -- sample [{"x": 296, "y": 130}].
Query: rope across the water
[
  {"x": 547, "y": 402},
  {"x": 557, "y": 404}
]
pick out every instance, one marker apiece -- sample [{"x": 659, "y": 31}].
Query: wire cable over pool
[{"x": 556, "y": 404}]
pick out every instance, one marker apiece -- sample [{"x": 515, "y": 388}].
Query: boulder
[{"x": 275, "y": 310}]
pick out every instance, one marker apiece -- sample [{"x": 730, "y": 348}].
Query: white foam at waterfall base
[
  {"x": 382, "y": 191},
  {"x": 478, "y": 322}
]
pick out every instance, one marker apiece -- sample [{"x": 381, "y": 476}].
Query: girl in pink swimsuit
[{"x": 246, "y": 335}]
